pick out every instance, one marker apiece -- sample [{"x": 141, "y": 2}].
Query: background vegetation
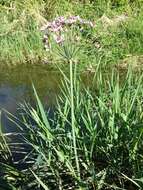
[{"x": 21, "y": 39}]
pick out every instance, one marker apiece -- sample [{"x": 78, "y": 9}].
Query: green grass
[
  {"x": 94, "y": 140},
  {"x": 119, "y": 42},
  {"x": 21, "y": 40}
]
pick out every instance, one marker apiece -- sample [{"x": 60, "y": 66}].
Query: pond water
[{"x": 16, "y": 87}]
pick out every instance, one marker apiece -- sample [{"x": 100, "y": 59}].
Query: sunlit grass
[{"x": 21, "y": 39}]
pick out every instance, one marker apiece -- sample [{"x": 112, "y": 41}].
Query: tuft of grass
[{"x": 101, "y": 129}]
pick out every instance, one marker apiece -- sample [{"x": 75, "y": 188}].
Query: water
[{"x": 16, "y": 87}]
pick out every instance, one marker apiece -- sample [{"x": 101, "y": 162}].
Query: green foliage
[
  {"x": 96, "y": 136},
  {"x": 21, "y": 40},
  {"x": 94, "y": 140}
]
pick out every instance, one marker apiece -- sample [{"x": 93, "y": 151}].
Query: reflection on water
[
  {"x": 16, "y": 87},
  {"x": 9, "y": 98}
]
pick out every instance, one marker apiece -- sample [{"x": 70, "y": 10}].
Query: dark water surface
[{"x": 16, "y": 87}]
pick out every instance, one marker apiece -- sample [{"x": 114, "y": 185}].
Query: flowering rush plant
[{"x": 59, "y": 26}]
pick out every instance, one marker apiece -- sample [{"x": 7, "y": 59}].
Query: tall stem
[{"x": 73, "y": 118}]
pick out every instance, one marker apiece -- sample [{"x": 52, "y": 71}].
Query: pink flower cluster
[{"x": 56, "y": 27}]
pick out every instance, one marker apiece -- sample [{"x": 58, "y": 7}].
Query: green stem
[{"x": 73, "y": 118}]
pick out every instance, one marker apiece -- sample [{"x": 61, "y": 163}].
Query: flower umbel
[{"x": 60, "y": 25}]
